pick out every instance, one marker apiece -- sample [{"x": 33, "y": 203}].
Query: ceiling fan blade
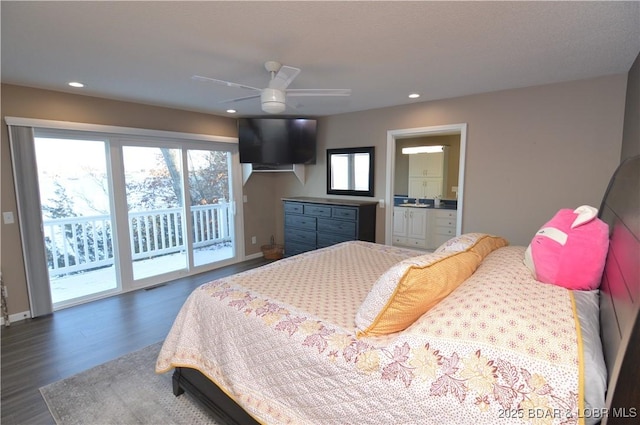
[
  {"x": 238, "y": 99},
  {"x": 284, "y": 77},
  {"x": 319, "y": 92},
  {"x": 225, "y": 83}
]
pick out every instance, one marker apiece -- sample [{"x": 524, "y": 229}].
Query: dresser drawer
[
  {"x": 445, "y": 231},
  {"x": 298, "y": 236},
  {"x": 312, "y": 223},
  {"x": 416, "y": 243},
  {"x": 291, "y": 248},
  {"x": 345, "y": 213},
  {"x": 446, "y": 213},
  {"x": 345, "y": 228},
  {"x": 300, "y": 221},
  {"x": 399, "y": 240},
  {"x": 445, "y": 222},
  {"x": 317, "y": 210},
  {"x": 328, "y": 239},
  {"x": 293, "y": 207}
]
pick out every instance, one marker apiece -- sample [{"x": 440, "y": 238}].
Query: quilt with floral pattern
[{"x": 280, "y": 340}]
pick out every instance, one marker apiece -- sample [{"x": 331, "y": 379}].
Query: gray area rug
[{"x": 123, "y": 391}]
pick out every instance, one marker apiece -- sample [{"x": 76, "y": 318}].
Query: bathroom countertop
[{"x": 426, "y": 206}]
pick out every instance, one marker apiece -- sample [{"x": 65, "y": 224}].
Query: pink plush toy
[{"x": 570, "y": 250}]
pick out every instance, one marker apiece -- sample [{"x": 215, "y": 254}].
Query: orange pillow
[{"x": 411, "y": 288}]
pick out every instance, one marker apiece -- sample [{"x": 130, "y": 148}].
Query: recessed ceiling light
[
  {"x": 414, "y": 95},
  {"x": 231, "y": 111},
  {"x": 76, "y": 84}
]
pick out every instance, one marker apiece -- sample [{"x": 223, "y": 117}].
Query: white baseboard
[
  {"x": 16, "y": 317},
  {"x": 253, "y": 256}
]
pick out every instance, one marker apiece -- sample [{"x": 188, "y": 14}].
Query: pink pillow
[{"x": 570, "y": 250}]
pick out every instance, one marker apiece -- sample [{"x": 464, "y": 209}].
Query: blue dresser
[{"x": 312, "y": 223}]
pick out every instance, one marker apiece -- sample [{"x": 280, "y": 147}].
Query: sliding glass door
[
  {"x": 125, "y": 212},
  {"x": 76, "y": 218},
  {"x": 165, "y": 235},
  {"x": 154, "y": 188},
  {"x": 212, "y": 208}
]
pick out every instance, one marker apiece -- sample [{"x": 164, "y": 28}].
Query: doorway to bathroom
[{"x": 395, "y": 139}]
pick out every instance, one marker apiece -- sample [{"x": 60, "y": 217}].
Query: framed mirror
[{"x": 350, "y": 171}]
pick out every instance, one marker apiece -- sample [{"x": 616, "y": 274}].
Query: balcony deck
[
  {"x": 94, "y": 282},
  {"x": 81, "y": 254}
]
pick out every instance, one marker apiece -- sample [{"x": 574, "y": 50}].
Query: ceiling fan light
[
  {"x": 273, "y": 101},
  {"x": 273, "y": 107}
]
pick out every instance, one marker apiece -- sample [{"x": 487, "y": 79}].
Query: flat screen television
[{"x": 277, "y": 141}]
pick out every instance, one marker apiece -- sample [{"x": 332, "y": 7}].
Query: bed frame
[
  {"x": 619, "y": 307},
  {"x": 620, "y": 293}
]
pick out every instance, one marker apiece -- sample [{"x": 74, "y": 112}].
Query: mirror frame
[{"x": 348, "y": 192}]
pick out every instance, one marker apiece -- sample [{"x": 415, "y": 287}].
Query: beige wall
[
  {"x": 260, "y": 211},
  {"x": 529, "y": 153}
]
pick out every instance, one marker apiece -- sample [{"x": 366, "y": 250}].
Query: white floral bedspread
[{"x": 502, "y": 348}]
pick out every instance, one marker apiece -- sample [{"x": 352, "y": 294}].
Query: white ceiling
[{"x": 146, "y": 52}]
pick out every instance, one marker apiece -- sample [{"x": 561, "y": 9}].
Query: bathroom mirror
[{"x": 350, "y": 171}]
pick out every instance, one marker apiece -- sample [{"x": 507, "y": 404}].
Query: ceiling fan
[{"x": 273, "y": 97}]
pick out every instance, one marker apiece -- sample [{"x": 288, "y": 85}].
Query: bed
[{"x": 278, "y": 344}]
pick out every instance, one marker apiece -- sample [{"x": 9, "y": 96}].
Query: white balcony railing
[{"x": 82, "y": 243}]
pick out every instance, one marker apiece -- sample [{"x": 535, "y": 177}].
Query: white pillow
[{"x": 480, "y": 243}]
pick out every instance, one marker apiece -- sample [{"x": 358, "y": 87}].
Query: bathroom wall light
[{"x": 423, "y": 149}]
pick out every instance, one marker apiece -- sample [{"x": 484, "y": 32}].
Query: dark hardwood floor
[{"x": 37, "y": 352}]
